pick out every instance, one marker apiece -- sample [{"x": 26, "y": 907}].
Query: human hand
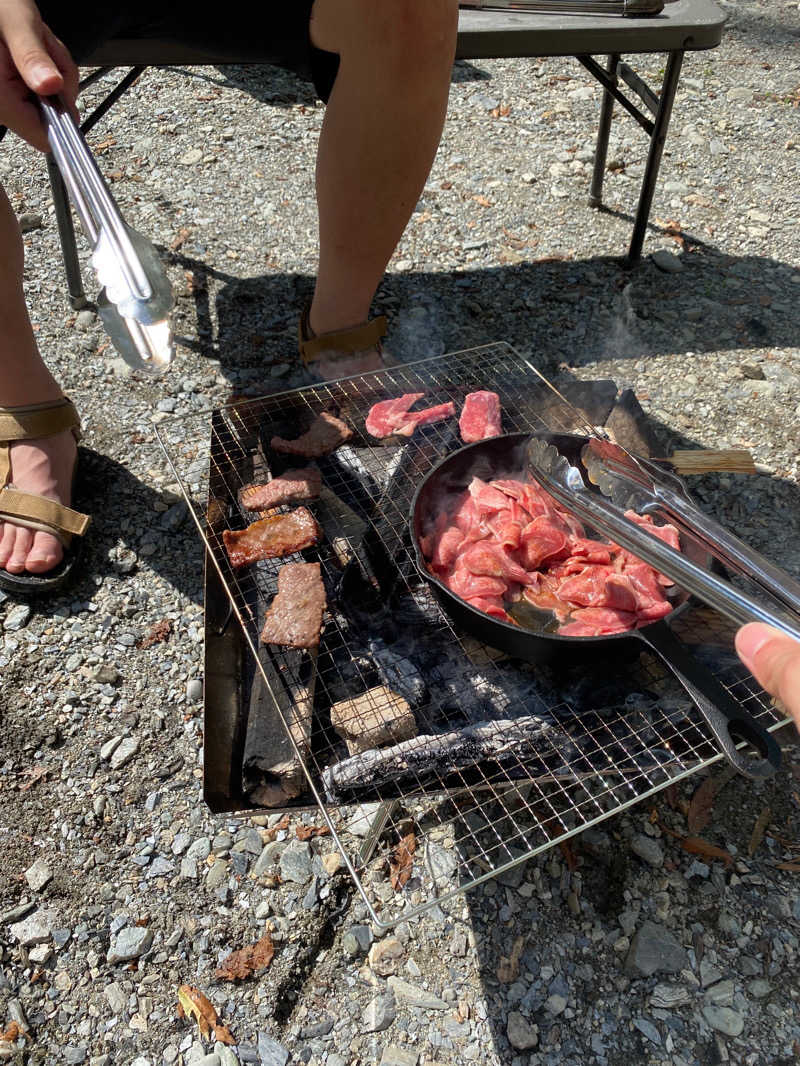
[
  {"x": 32, "y": 59},
  {"x": 774, "y": 661}
]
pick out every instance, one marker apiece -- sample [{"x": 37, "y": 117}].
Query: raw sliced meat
[
  {"x": 323, "y": 436},
  {"x": 541, "y": 539},
  {"x": 480, "y": 417},
  {"x": 289, "y": 487},
  {"x": 493, "y": 561},
  {"x": 392, "y": 418},
  {"x": 667, "y": 533},
  {"x": 488, "y": 499},
  {"x": 272, "y": 537},
  {"x": 491, "y": 606},
  {"x": 599, "y": 586},
  {"x": 294, "y": 618},
  {"x": 468, "y": 585},
  {"x": 385, "y": 417}
]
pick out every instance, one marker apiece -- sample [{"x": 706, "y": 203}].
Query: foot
[{"x": 43, "y": 467}]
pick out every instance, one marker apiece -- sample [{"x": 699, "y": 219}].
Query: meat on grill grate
[
  {"x": 272, "y": 537},
  {"x": 289, "y": 487},
  {"x": 294, "y": 619},
  {"x": 323, "y": 436}
]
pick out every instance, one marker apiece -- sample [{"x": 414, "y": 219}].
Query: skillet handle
[{"x": 728, "y": 721}]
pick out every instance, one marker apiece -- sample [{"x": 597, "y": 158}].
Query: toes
[
  {"x": 8, "y": 535},
  {"x": 46, "y": 552},
  {"x": 23, "y": 540}
]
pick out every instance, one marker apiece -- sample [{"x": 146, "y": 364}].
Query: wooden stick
[{"x": 707, "y": 461}]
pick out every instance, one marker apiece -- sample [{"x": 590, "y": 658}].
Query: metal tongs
[
  {"x": 136, "y": 296},
  {"x": 605, "y": 462},
  {"x": 627, "y": 8}
]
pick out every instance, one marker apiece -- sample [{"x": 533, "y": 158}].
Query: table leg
[{"x": 603, "y": 131}]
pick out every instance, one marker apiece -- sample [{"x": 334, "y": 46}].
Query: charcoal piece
[
  {"x": 629, "y": 425},
  {"x": 376, "y": 717},
  {"x": 398, "y": 672},
  {"x": 595, "y": 399},
  {"x": 527, "y": 743},
  {"x": 272, "y": 766}
]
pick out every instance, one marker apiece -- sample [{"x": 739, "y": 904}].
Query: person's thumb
[
  {"x": 30, "y": 56},
  {"x": 773, "y": 659}
]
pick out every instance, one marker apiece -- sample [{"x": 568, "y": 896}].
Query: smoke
[
  {"x": 417, "y": 332},
  {"x": 623, "y": 339}
]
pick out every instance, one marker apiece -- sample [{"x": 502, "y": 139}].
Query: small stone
[
  {"x": 166, "y": 405},
  {"x": 648, "y": 1029},
  {"x": 709, "y": 974},
  {"x": 190, "y": 158},
  {"x": 208, "y": 1060},
  {"x": 194, "y": 690},
  {"x": 441, "y": 863},
  {"x": 666, "y": 261},
  {"x": 85, "y": 321},
  {"x": 227, "y": 1057},
  {"x": 272, "y": 1053},
  {"x": 295, "y": 862},
  {"x": 35, "y": 929},
  {"x": 117, "y": 999},
  {"x": 697, "y": 869},
  {"x": 759, "y": 988},
  {"x": 331, "y": 862},
  {"x": 130, "y": 943},
  {"x": 655, "y": 950},
  {"x": 74, "y": 1056},
  {"x": 40, "y": 954},
  {"x": 397, "y": 1056},
  {"x": 217, "y": 874},
  {"x": 357, "y": 940},
  {"x": 521, "y": 1034},
  {"x": 362, "y": 823},
  {"x": 648, "y": 850},
  {"x": 555, "y": 1004},
  {"x": 38, "y": 875},
  {"x": 30, "y": 220},
  {"x": 124, "y": 752},
  {"x": 415, "y": 996},
  {"x": 17, "y": 618},
  {"x": 106, "y": 674},
  {"x": 385, "y": 955},
  {"x": 723, "y": 1019},
  {"x": 317, "y": 1029},
  {"x": 379, "y": 1014},
  {"x": 667, "y": 997},
  {"x": 720, "y": 994},
  {"x": 108, "y": 749}
]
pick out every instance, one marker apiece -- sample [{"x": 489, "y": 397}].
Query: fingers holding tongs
[{"x": 136, "y": 296}]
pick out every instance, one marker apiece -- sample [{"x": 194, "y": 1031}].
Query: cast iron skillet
[{"x": 505, "y": 455}]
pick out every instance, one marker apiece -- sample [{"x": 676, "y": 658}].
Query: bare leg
[
  {"x": 44, "y": 466},
  {"x": 378, "y": 141}
]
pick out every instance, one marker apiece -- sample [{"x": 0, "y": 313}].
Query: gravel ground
[{"x": 117, "y": 885}]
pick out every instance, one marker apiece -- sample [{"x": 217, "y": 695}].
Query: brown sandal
[
  {"x": 339, "y": 345},
  {"x": 33, "y": 511}
]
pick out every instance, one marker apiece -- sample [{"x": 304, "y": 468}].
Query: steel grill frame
[{"x": 490, "y": 817}]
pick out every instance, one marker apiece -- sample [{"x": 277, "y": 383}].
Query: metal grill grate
[{"x": 478, "y": 818}]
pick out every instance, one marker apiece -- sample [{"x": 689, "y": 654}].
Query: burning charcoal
[
  {"x": 377, "y": 717},
  {"x": 398, "y": 672},
  {"x": 527, "y": 742},
  {"x": 272, "y": 767}
]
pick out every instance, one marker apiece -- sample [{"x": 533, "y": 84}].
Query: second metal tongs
[
  {"x": 136, "y": 296},
  {"x": 566, "y": 483}
]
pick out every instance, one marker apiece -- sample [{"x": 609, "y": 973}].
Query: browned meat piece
[
  {"x": 324, "y": 436},
  {"x": 272, "y": 537},
  {"x": 289, "y": 487},
  {"x": 294, "y": 618}
]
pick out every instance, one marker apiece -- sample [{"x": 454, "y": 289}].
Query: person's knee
[{"x": 416, "y": 34}]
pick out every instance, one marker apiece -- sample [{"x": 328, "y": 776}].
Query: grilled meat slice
[
  {"x": 289, "y": 487},
  {"x": 272, "y": 537},
  {"x": 294, "y": 618},
  {"x": 323, "y": 436}
]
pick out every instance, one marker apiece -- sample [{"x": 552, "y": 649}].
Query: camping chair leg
[
  {"x": 668, "y": 89},
  {"x": 66, "y": 233},
  {"x": 603, "y": 131}
]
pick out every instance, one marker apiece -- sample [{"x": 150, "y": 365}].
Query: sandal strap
[
  {"x": 39, "y": 512},
  {"x": 32, "y": 422},
  {"x": 346, "y": 341}
]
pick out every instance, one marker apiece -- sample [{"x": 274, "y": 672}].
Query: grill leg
[
  {"x": 66, "y": 233},
  {"x": 603, "y": 131},
  {"x": 666, "y": 100}
]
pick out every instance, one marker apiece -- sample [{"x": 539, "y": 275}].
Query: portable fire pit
[{"x": 472, "y": 762}]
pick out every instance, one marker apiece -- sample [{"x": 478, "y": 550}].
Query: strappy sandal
[
  {"x": 339, "y": 345},
  {"x": 33, "y": 511}
]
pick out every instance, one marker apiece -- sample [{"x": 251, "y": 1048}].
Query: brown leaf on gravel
[
  {"x": 179, "y": 238},
  {"x": 698, "y": 846},
  {"x": 306, "y": 832},
  {"x": 11, "y": 1033},
  {"x": 157, "y": 634},
  {"x": 569, "y": 856},
  {"x": 402, "y": 861},
  {"x": 223, "y": 1034},
  {"x": 268, "y": 835},
  {"x": 699, "y": 813},
  {"x": 508, "y": 970},
  {"x": 759, "y": 828},
  {"x": 242, "y": 964},
  {"x": 793, "y": 867},
  {"x": 34, "y": 773},
  {"x": 484, "y": 201},
  {"x": 193, "y": 1003}
]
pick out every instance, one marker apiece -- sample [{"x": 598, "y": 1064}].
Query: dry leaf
[
  {"x": 269, "y": 834},
  {"x": 698, "y": 846},
  {"x": 180, "y": 237},
  {"x": 192, "y": 1002},
  {"x": 508, "y": 970},
  {"x": 306, "y": 832},
  {"x": 247, "y": 961},
  {"x": 157, "y": 634},
  {"x": 35, "y": 773},
  {"x": 699, "y": 813},
  {"x": 402, "y": 861},
  {"x": 484, "y": 201},
  {"x": 223, "y": 1034},
  {"x": 759, "y": 829},
  {"x": 11, "y": 1033},
  {"x": 569, "y": 856},
  {"x": 793, "y": 867}
]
